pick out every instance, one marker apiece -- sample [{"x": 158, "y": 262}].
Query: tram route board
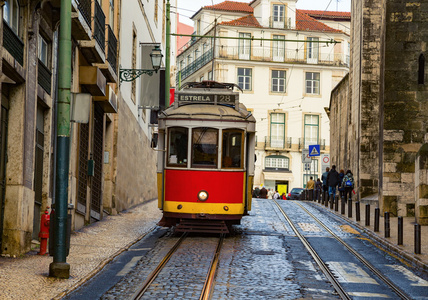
[{"x": 224, "y": 98}]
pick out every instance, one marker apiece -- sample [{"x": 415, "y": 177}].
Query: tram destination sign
[{"x": 229, "y": 98}]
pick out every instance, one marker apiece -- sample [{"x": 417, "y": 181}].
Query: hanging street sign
[{"x": 314, "y": 150}]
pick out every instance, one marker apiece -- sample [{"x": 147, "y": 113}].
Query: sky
[{"x": 187, "y": 8}]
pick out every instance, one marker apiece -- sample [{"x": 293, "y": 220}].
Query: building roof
[
  {"x": 328, "y": 15},
  {"x": 305, "y": 22},
  {"x": 231, "y": 6},
  {"x": 249, "y": 21}
]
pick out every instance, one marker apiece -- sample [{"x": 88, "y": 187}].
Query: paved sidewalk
[
  {"x": 91, "y": 249},
  {"x": 407, "y": 250}
]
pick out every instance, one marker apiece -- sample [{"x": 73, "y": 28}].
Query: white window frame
[
  {"x": 312, "y": 50},
  {"x": 278, "y": 82},
  {"x": 11, "y": 15},
  {"x": 277, "y": 162},
  {"x": 245, "y": 80},
  {"x": 278, "y": 16},
  {"x": 277, "y": 130},
  {"x": 244, "y": 47},
  {"x": 311, "y": 130},
  {"x": 312, "y": 83},
  {"x": 43, "y": 50},
  {"x": 278, "y": 48}
]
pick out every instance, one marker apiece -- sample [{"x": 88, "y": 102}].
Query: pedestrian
[
  {"x": 270, "y": 194},
  {"x": 341, "y": 187},
  {"x": 332, "y": 182},
  {"x": 348, "y": 182},
  {"x": 324, "y": 184},
  {"x": 256, "y": 192},
  {"x": 263, "y": 193},
  {"x": 318, "y": 188},
  {"x": 310, "y": 185},
  {"x": 276, "y": 195},
  {"x": 283, "y": 196}
]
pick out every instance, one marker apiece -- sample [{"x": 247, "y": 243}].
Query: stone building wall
[
  {"x": 404, "y": 102},
  {"x": 135, "y": 173}
]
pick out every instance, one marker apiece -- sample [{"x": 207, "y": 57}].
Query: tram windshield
[
  {"x": 232, "y": 148},
  {"x": 177, "y": 148},
  {"x": 204, "y": 147}
]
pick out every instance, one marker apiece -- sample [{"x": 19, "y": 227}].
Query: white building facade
[{"x": 286, "y": 63}]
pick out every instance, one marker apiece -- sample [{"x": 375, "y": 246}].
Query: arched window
[
  {"x": 11, "y": 14},
  {"x": 421, "y": 70},
  {"x": 277, "y": 162}
]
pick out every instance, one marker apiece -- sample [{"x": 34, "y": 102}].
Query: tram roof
[{"x": 208, "y": 111}]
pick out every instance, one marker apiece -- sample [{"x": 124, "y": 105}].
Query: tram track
[
  {"x": 208, "y": 286},
  {"x": 339, "y": 289}
]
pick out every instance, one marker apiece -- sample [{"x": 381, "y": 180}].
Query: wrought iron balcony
[
  {"x": 112, "y": 49},
  {"x": 280, "y": 144},
  {"x": 85, "y": 9},
  {"x": 13, "y": 44},
  {"x": 44, "y": 77},
  {"x": 197, "y": 64},
  {"x": 99, "y": 26},
  {"x": 282, "y": 24}
]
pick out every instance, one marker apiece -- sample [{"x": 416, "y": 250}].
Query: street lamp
[{"x": 132, "y": 74}]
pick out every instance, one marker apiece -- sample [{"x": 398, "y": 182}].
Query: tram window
[
  {"x": 204, "y": 146},
  {"x": 232, "y": 149},
  {"x": 177, "y": 147}
]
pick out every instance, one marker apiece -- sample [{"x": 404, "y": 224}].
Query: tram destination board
[{"x": 221, "y": 98}]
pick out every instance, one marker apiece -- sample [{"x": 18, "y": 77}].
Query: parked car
[{"x": 296, "y": 194}]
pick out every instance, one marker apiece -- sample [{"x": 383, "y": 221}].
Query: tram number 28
[{"x": 226, "y": 98}]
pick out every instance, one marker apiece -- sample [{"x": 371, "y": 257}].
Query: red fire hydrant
[{"x": 44, "y": 231}]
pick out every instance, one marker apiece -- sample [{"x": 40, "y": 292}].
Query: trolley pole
[
  {"x": 167, "y": 52},
  {"x": 59, "y": 267}
]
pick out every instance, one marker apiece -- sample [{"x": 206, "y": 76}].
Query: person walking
[
  {"x": 349, "y": 183},
  {"x": 270, "y": 193},
  {"x": 263, "y": 193},
  {"x": 332, "y": 182},
  {"x": 310, "y": 185},
  {"x": 324, "y": 184},
  {"x": 276, "y": 195},
  {"x": 318, "y": 189}
]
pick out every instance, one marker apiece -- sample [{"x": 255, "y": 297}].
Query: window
[
  {"x": 111, "y": 14},
  {"x": 278, "y": 16},
  {"x": 43, "y": 50},
  {"x": 244, "y": 46},
  {"x": 196, "y": 53},
  {"x": 311, "y": 130},
  {"x": 277, "y": 130},
  {"x": 204, "y": 147},
  {"x": 313, "y": 83},
  {"x": 201, "y": 78},
  {"x": 312, "y": 49},
  {"x": 177, "y": 146},
  {"x": 277, "y": 162},
  {"x": 278, "y": 81},
  {"x": 232, "y": 150},
  {"x": 205, "y": 47},
  {"x": 11, "y": 15},
  {"x": 278, "y": 48},
  {"x": 182, "y": 64},
  {"x": 244, "y": 78},
  {"x": 189, "y": 59},
  {"x": 210, "y": 75}
]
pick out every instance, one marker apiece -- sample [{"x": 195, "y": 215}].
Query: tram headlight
[{"x": 203, "y": 195}]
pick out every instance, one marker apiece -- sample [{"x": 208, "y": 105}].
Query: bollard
[
  {"x": 417, "y": 239},
  {"x": 376, "y": 219},
  {"x": 387, "y": 227},
  {"x": 336, "y": 204},
  {"x": 357, "y": 211},
  {"x": 326, "y": 200},
  {"x": 400, "y": 231},
  {"x": 350, "y": 208},
  {"x": 332, "y": 201},
  {"x": 342, "y": 207},
  {"x": 367, "y": 214}
]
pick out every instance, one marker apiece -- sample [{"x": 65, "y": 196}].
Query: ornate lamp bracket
[{"x": 132, "y": 74}]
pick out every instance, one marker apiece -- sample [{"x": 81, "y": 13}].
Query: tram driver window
[
  {"x": 177, "y": 147},
  {"x": 232, "y": 149},
  {"x": 204, "y": 147}
]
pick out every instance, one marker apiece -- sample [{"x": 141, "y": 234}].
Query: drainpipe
[
  {"x": 167, "y": 53},
  {"x": 59, "y": 268}
]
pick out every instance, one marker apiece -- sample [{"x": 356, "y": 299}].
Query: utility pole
[
  {"x": 59, "y": 267},
  {"x": 167, "y": 54},
  {"x": 213, "y": 64}
]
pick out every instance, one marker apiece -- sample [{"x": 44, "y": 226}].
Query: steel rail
[
  {"x": 339, "y": 289},
  {"x": 392, "y": 285},
  {"x": 209, "y": 281},
  {"x": 152, "y": 276}
]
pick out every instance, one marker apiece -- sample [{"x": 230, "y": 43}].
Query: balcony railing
[
  {"x": 85, "y": 9},
  {"x": 282, "y": 55},
  {"x": 197, "y": 64},
  {"x": 283, "y": 24},
  {"x": 111, "y": 49},
  {"x": 99, "y": 26},
  {"x": 44, "y": 77},
  {"x": 13, "y": 44},
  {"x": 272, "y": 143}
]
